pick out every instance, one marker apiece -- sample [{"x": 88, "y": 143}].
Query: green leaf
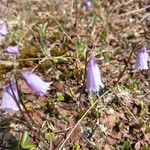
[
  {"x": 41, "y": 28},
  {"x": 145, "y": 148},
  {"x": 76, "y": 147},
  {"x": 28, "y": 146},
  {"x": 133, "y": 85},
  {"x": 126, "y": 145},
  {"x": 80, "y": 48},
  {"x": 60, "y": 97},
  {"x": 16, "y": 145},
  {"x": 93, "y": 21},
  {"x": 143, "y": 108},
  {"x": 104, "y": 34},
  {"x": 49, "y": 136},
  {"x": 24, "y": 140}
]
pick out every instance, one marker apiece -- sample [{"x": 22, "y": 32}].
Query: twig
[
  {"x": 131, "y": 12},
  {"x": 62, "y": 29},
  {"x": 137, "y": 122},
  {"x": 20, "y": 97},
  {"x": 125, "y": 107},
  {"x": 122, "y": 73},
  {"x": 81, "y": 120},
  {"x": 76, "y": 7},
  {"x": 29, "y": 28},
  {"x": 118, "y": 6}
]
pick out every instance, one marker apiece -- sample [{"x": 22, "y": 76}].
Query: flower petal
[
  {"x": 8, "y": 103},
  {"x": 142, "y": 59},
  {"x": 39, "y": 86},
  {"x": 12, "y": 50},
  {"x": 93, "y": 76}
]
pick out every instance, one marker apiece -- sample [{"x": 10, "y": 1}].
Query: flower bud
[
  {"x": 87, "y": 5},
  {"x": 93, "y": 76},
  {"x": 142, "y": 59}
]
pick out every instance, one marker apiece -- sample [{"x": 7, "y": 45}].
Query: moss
[{"x": 29, "y": 52}]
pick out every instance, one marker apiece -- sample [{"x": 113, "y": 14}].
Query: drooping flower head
[
  {"x": 93, "y": 76},
  {"x": 12, "y": 50},
  {"x": 87, "y": 5},
  {"x": 142, "y": 59},
  {"x": 3, "y": 28},
  {"x": 8, "y": 103},
  {"x": 39, "y": 86}
]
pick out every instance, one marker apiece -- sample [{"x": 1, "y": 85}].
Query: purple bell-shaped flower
[
  {"x": 93, "y": 76},
  {"x": 87, "y": 5},
  {"x": 142, "y": 59},
  {"x": 3, "y": 28},
  {"x": 12, "y": 50},
  {"x": 39, "y": 86},
  {"x": 8, "y": 103}
]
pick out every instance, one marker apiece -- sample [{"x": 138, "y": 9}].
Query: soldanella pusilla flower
[
  {"x": 93, "y": 76},
  {"x": 39, "y": 86},
  {"x": 10, "y": 94},
  {"x": 142, "y": 59},
  {"x": 3, "y": 28},
  {"x": 87, "y": 5},
  {"x": 12, "y": 50}
]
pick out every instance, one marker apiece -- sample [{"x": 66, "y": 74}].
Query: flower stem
[
  {"x": 124, "y": 69},
  {"x": 76, "y": 9},
  {"x": 22, "y": 103}
]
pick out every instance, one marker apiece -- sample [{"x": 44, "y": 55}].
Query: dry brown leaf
[
  {"x": 75, "y": 136},
  {"x": 107, "y": 147},
  {"x": 25, "y": 89},
  {"x": 138, "y": 145},
  {"x": 111, "y": 140},
  {"x": 147, "y": 136},
  {"x": 37, "y": 117},
  {"x": 109, "y": 121},
  {"x": 67, "y": 109}
]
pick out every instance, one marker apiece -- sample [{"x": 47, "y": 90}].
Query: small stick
[
  {"x": 136, "y": 121},
  {"x": 130, "y": 12},
  {"x": 76, "y": 7},
  {"x": 81, "y": 120},
  {"x": 20, "y": 95}
]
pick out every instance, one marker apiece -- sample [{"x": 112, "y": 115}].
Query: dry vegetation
[{"x": 53, "y": 36}]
